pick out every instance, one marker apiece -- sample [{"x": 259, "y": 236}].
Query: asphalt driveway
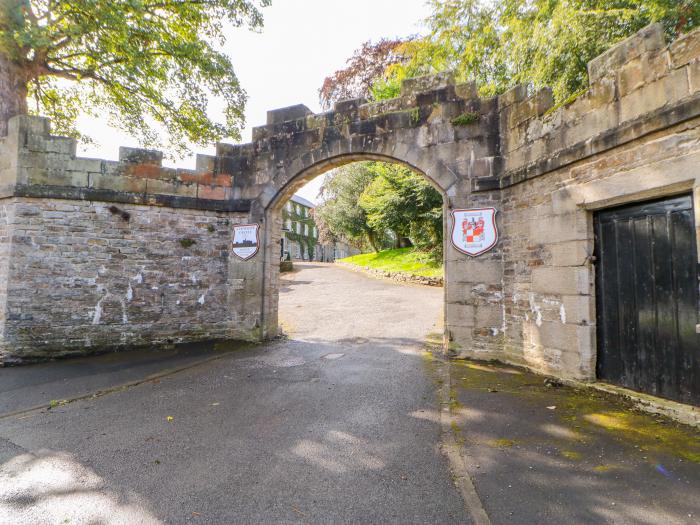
[{"x": 335, "y": 424}]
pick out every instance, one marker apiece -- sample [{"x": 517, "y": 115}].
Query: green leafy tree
[
  {"x": 534, "y": 42},
  {"x": 499, "y": 44},
  {"x": 340, "y": 210},
  {"x": 325, "y": 234},
  {"x": 140, "y": 64},
  {"x": 406, "y": 204}
]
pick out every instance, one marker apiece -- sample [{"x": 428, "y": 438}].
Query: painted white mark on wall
[
  {"x": 129, "y": 293},
  {"x": 98, "y": 313},
  {"x": 536, "y": 310},
  {"x": 138, "y": 278},
  {"x": 193, "y": 277},
  {"x": 201, "y": 299},
  {"x": 562, "y": 313}
]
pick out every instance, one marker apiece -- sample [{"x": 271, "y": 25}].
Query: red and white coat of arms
[{"x": 474, "y": 231}]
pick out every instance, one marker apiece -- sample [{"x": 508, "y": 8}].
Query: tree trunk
[
  {"x": 372, "y": 238},
  {"x": 13, "y": 92}
]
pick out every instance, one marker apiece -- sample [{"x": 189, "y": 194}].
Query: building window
[
  {"x": 306, "y": 230},
  {"x": 289, "y": 224},
  {"x": 297, "y": 228}
]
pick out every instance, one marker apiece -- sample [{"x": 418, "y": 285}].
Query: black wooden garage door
[{"x": 647, "y": 298}]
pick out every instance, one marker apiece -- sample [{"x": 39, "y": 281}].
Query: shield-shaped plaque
[
  {"x": 474, "y": 231},
  {"x": 246, "y": 240}
]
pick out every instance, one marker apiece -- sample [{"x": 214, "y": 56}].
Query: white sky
[{"x": 302, "y": 42}]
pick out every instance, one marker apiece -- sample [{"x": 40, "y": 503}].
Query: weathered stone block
[
  {"x": 281, "y": 115},
  {"x": 655, "y": 95},
  {"x": 460, "y": 315},
  {"x": 569, "y": 227},
  {"x": 561, "y": 280},
  {"x": 513, "y": 95},
  {"x": 117, "y": 183},
  {"x": 578, "y": 309},
  {"x": 650, "y": 39},
  {"x": 467, "y": 91},
  {"x": 463, "y": 270},
  {"x": 412, "y": 86},
  {"x": 489, "y": 316},
  {"x": 685, "y": 49},
  {"x": 570, "y": 253},
  {"x": 163, "y": 187},
  {"x": 54, "y": 177},
  {"x": 140, "y": 156},
  {"x": 694, "y": 76}
]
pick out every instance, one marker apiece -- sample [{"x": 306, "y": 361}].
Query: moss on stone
[
  {"x": 465, "y": 119},
  {"x": 186, "y": 242}
]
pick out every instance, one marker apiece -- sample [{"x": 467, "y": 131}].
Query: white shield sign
[
  {"x": 246, "y": 240},
  {"x": 474, "y": 231}
]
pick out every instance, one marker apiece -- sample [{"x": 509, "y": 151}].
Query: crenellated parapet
[
  {"x": 442, "y": 129},
  {"x": 637, "y": 87},
  {"x": 38, "y": 164},
  {"x": 463, "y": 143},
  {"x": 467, "y": 144}
]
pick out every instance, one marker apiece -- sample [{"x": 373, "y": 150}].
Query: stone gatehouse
[{"x": 99, "y": 254}]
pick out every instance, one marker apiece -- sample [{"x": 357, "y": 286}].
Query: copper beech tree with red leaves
[{"x": 365, "y": 68}]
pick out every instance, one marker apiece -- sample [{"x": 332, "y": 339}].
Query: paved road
[
  {"x": 560, "y": 455},
  {"x": 334, "y": 425}
]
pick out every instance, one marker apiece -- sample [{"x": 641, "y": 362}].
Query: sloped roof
[{"x": 302, "y": 201}]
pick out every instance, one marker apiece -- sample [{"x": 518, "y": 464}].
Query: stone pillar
[{"x": 473, "y": 285}]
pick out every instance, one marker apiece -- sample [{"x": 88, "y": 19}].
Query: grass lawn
[{"x": 405, "y": 260}]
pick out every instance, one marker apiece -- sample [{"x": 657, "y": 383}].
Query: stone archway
[
  {"x": 441, "y": 130},
  {"x": 272, "y": 226}
]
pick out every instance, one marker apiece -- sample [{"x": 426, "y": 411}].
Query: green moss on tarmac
[{"x": 585, "y": 412}]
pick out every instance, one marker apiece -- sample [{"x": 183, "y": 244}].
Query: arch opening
[{"x": 284, "y": 227}]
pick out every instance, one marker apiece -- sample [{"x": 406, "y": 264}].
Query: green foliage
[
  {"x": 141, "y": 65},
  {"x": 306, "y": 242},
  {"x": 465, "y": 119},
  {"x": 405, "y": 260},
  {"x": 362, "y": 74},
  {"x": 380, "y": 205},
  {"x": 186, "y": 242},
  {"x": 534, "y": 42},
  {"x": 404, "y": 203},
  {"x": 341, "y": 211}
]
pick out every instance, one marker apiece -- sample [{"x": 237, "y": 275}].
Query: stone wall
[
  {"x": 98, "y": 255},
  {"x": 545, "y": 168},
  {"x": 633, "y": 135}
]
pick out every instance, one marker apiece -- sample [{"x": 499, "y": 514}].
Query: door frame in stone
[{"x": 680, "y": 176}]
